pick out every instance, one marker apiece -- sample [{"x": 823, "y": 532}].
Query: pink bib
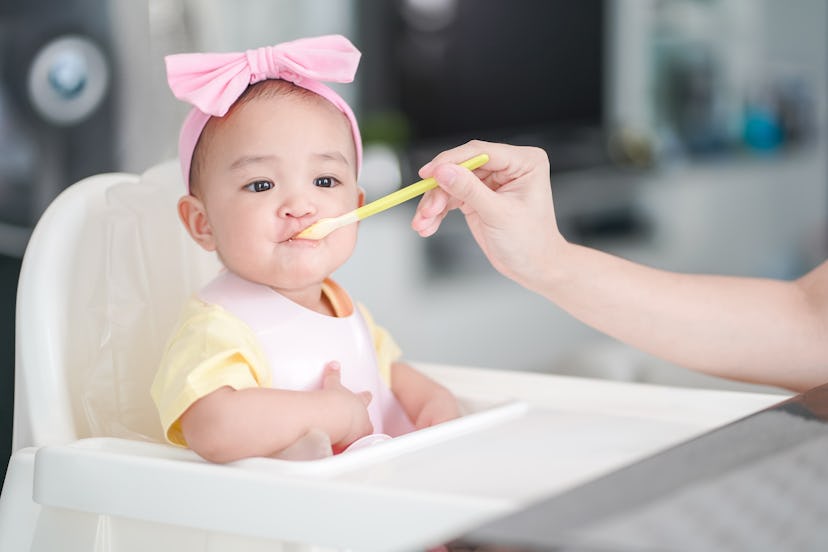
[{"x": 299, "y": 342}]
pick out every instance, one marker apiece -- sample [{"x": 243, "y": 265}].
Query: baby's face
[{"x": 272, "y": 168}]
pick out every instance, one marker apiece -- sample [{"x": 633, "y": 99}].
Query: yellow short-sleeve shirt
[{"x": 211, "y": 348}]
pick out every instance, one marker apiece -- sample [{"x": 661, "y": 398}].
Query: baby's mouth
[
  {"x": 294, "y": 235},
  {"x": 294, "y": 241},
  {"x": 291, "y": 237}
]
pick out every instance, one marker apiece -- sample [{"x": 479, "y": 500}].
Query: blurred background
[{"x": 685, "y": 134}]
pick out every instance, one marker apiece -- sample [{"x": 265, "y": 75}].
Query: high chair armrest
[{"x": 160, "y": 483}]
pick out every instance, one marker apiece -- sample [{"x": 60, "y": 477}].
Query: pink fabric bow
[{"x": 213, "y": 82}]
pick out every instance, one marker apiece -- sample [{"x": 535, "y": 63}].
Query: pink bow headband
[{"x": 213, "y": 82}]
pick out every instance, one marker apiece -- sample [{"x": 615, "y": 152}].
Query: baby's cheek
[{"x": 346, "y": 240}]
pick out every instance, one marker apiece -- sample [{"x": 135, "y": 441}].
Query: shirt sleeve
[
  {"x": 388, "y": 352},
  {"x": 210, "y": 349}
]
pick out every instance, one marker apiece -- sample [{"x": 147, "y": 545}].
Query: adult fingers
[
  {"x": 432, "y": 209},
  {"x": 463, "y": 185},
  {"x": 506, "y": 162}
]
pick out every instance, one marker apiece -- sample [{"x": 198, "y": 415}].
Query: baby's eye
[
  {"x": 325, "y": 182},
  {"x": 259, "y": 186}
]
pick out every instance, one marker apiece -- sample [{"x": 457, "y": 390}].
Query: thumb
[
  {"x": 366, "y": 397},
  {"x": 462, "y": 184},
  {"x": 331, "y": 375}
]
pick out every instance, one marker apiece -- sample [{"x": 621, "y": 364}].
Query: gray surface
[{"x": 757, "y": 484}]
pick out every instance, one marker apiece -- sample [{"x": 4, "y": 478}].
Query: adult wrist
[{"x": 552, "y": 268}]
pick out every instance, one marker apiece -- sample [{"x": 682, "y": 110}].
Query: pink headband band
[{"x": 213, "y": 82}]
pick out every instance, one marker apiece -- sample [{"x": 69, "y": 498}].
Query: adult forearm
[{"x": 759, "y": 330}]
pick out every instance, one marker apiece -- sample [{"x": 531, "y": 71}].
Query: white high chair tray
[{"x": 571, "y": 430}]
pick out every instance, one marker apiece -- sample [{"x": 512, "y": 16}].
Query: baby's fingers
[
  {"x": 365, "y": 397},
  {"x": 331, "y": 377}
]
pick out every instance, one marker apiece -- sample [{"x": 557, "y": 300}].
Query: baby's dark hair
[{"x": 270, "y": 88}]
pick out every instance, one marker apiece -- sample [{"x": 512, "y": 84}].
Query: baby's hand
[
  {"x": 441, "y": 407},
  {"x": 349, "y": 410}
]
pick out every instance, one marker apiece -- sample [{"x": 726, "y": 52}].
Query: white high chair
[
  {"x": 105, "y": 274},
  {"x": 106, "y": 271}
]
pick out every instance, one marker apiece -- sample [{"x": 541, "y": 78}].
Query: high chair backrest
[{"x": 106, "y": 271}]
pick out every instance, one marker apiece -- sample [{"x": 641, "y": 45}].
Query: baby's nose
[{"x": 296, "y": 206}]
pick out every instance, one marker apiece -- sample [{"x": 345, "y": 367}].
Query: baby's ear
[
  {"x": 194, "y": 218},
  {"x": 361, "y": 200}
]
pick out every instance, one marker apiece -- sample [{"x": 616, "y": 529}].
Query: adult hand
[
  {"x": 507, "y": 204},
  {"x": 349, "y": 408}
]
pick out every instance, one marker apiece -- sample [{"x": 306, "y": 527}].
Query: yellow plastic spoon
[{"x": 325, "y": 226}]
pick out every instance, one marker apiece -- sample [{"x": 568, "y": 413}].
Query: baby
[{"x": 273, "y": 354}]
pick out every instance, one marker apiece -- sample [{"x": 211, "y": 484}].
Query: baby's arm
[
  {"x": 424, "y": 400},
  {"x": 230, "y": 424}
]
